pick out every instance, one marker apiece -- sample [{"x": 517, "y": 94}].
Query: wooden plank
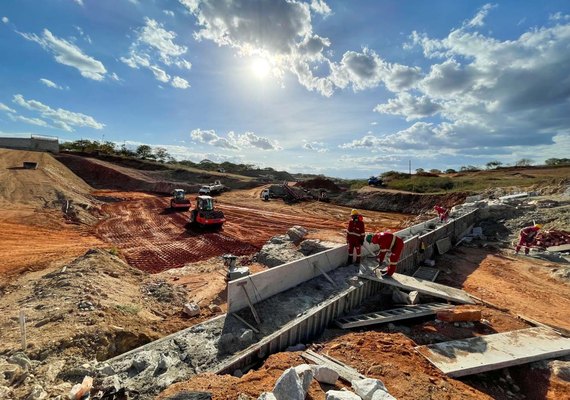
[
  {"x": 487, "y": 353},
  {"x": 344, "y": 371},
  {"x": 423, "y": 286},
  {"x": 395, "y": 314}
]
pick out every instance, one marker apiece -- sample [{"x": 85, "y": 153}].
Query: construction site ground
[{"x": 82, "y": 306}]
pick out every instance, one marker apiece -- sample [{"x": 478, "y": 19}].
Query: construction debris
[
  {"x": 460, "y": 314},
  {"x": 550, "y": 238}
]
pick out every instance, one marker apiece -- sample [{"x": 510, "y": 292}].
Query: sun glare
[{"x": 260, "y": 67}]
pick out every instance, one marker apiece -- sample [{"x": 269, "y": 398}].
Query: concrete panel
[
  {"x": 268, "y": 283},
  {"x": 423, "y": 286},
  {"x": 487, "y": 353},
  {"x": 33, "y": 143},
  {"x": 443, "y": 245}
]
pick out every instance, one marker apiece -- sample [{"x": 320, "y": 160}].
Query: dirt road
[{"x": 153, "y": 239}]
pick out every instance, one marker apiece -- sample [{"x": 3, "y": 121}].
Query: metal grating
[{"x": 427, "y": 273}]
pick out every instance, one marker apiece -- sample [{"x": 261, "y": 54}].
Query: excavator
[
  {"x": 204, "y": 214},
  {"x": 179, "y": 200}
]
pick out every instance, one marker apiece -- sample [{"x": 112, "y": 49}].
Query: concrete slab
[
  {"x": 443, "y": 245},
  {"x": 421, "y": 285},
  {"x": 562, "y": 247},
  {"x": 488, "y": 353}
]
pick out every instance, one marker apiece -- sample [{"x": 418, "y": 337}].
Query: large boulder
[
  {"x": 289, "y": 386},
  {"x": 314, "y": 246},
  {"x": 297, "y": 233},
  {"x": 367, "y": 387},
  {"x": 305, "y": 373},
  {"x": 325, "y": 375},
  {"x": 274, "y": 254},
  {"x": 341, "y": 395}
]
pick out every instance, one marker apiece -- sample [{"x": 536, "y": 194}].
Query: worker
[
  {"x": 388, "y": 242},
  {"x": 355, "y": 236},
  {"x": 442, "y": 213},
  {"x": 526, "y": 237}
]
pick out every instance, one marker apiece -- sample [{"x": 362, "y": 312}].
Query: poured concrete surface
[
  {"x": 487, "y": 353},
  {"x": 411, "y": 283}
]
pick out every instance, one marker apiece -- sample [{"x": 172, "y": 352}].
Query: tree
[
  {"x": 450, "y": 171},
  {"x": 419, "y": 170},
  {"x": 161, "y": 154},
  {"x": 435, "y": 171},
  {"x": 469, "y": 168},
  {"x": 126, "y": 152},
  {"x": 493, "y": 164},
  {"x": 524, "y": 162},
  {"x": 557, "y": 161},
  {"x": 144, "y": 151}
]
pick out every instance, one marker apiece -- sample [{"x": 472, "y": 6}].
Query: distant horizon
[{"x": 327, "y": 87}]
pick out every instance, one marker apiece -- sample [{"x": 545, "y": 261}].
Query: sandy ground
[{"x": 520, "y": 284}]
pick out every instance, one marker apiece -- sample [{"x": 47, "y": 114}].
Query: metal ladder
[{"x": 395, "y": 314}]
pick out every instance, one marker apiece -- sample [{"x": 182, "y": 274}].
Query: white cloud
[
  {"x": 155, "y": 49},
  {"x": 168, "y": 12},
  {"x": 180, "y": 83},
  {"x": 319, "y": 147},
  {"x": 320, "y": 7},
  {"x": 5, "y": 20},
  {"x": 69, "y": 54},
  {"x": 80, "y": 2},
  {"x": 5, "y": 108},
  {"x": 234, "y": 141},
  {"x": 31, "y": 121},
  {"x": 61, "y": 118},
  {"x": 489, "y": 93},
  {"x": 50, "y": 84},
  {"x": 479, "y": 19},
  {"x": 408, "y": 106}
]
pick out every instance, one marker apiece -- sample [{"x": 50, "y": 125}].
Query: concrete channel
[{"x": 290, "y": 315}]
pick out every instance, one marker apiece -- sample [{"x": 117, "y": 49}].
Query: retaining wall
[
  {"x": 32, "y": 143},
  {"x": 268, "y": 283}
]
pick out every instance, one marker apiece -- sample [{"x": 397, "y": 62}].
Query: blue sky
[{"x": 344, "y": 88}]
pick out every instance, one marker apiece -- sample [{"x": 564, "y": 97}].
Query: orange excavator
[
  {"x": 204, "y": 214},
  {"x": 179, "y": 200}
]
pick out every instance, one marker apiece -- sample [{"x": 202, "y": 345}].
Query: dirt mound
[
  {"x": 320, "y": 183},
  {"x": 49, "y": 187},
  {"x": 409, "y": 203}
]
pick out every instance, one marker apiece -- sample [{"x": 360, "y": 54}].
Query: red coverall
[
  {"x": 526, "y": 238},
  {"x": 355, "y": 237},
  {"x": 442, "y": 213},
  {"x": 389, "y": 242}
]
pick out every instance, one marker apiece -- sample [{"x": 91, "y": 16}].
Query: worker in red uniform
[
  {"x": 442, "y": 213},
  {"x": 355, "y": 236},
  {"x": 388, "y": 242},
  {"x": 526, "y": 237}
]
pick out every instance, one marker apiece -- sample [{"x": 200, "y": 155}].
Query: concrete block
[
  {"x": 325, "y": 374},
  {"x": 366, "y": 388},
  {"x": 305, "y": 372},
  {"x": 238, "y": 272},
  {"x": 191, "y": 309},
  {"x": 289, "y": 386},
  {"x": 341, "y": 395},
  {"x": 414, "y": 297}
]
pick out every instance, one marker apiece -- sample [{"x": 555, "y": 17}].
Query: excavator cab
[
  {"x": 179, "y": 200},
  {"x": 205, "y": 203}
]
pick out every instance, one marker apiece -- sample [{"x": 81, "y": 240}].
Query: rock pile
[{"x": 552, "y": 238}]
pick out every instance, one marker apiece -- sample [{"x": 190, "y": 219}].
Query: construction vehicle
[
  {"x": 265, "y": 194},
  {"x": 204, "y": 213},
  {"x": 213, "y": 188},
  {"x": 179, "y": 200},
  {"x": 375, "y": 181}
]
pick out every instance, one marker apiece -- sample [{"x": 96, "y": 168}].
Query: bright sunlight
[{"x": 260, "y": 67}]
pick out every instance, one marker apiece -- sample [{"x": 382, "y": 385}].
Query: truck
[
  {"x": 213, "y": 188},
  {"x": 204, "y": 214}
]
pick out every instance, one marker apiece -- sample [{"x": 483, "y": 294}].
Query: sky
[{"x": 343, "y": 88}]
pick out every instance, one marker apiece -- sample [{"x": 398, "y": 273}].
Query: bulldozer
[
  {"x": 179, "y": 200},
  {"x": 204, "y": 214}
]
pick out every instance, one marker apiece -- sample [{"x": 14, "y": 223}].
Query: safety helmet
[
  {"x": 539, "y": 226},
  {"x": 369, "y": 238},
  {"x": 354, "y": 212}
]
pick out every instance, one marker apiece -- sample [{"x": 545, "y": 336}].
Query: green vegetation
[
  {"x": 557, "y": 161},
  {"x": 422, "y": 184},
  {"x": 128, "y": 308}
]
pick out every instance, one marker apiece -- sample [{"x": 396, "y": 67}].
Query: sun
[{"x": 260, "y": 67}]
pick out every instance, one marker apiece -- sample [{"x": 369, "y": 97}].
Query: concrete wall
[
  {"x": 33, "y": 144},
  {"x": 268, "y": 283}
]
